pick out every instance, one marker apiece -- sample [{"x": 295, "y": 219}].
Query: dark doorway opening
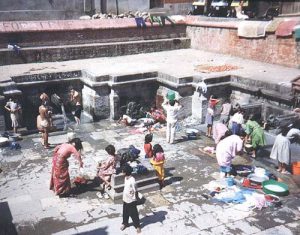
[{"x": 156, "y": 3}]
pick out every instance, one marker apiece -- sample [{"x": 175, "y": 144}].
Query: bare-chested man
[
  {"x": 75, "y": 98},
  {"x": 43, "y": 124}
]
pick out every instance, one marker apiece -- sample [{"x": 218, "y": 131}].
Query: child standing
[
  {"x": 108, "y": 167},
  {"x": 209, "y": 119},
  {"x": 148, "y": 146},
  {"x": 129, "y": 200},
  {"x": 158, "y": 161}
]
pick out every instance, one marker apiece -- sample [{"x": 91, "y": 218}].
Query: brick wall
[{"x": 282, "y": 51}]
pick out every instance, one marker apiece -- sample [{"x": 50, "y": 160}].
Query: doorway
[{"x": 156, "y": 4}]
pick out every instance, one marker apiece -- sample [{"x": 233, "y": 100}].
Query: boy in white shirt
[{"x": 129, "y": 200}]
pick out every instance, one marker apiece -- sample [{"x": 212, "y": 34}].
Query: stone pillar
[
  {"x": 114, "y": 100},
  {"x": 96, "y": 102},
  {"x": 199, "y": 106},
  {"x": 97, "y": 6},
  {"x": 2, "y": 119}
]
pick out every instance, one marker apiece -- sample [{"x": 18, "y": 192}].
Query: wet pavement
[{"x": 27, "y": 205}]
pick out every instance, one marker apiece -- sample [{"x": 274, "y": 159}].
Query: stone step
[{"x": 85, "y": 51}]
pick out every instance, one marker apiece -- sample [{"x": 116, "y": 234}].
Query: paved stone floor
[{"x": 27, "y": 206}]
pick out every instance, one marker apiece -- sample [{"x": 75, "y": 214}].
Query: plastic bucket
[
  {"x": 296, "y": 168},
  {"x": 230, "y": 181},
  {"x": 171, "y": 95}
]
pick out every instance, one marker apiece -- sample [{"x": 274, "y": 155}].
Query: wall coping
[
  {"x": 103, "y": 24},
  {"x": 70, "y": 25}
]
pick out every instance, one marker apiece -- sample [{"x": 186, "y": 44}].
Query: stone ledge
[
  {"x": 74, "y": 52},
  {"x": 68, "y": 25},
  {"x": 46, "y": 76}
]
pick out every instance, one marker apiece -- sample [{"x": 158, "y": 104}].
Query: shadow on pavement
[
  {"x": 98, "y": 231},
  {"x": 6, "y": 224},
  {"x": 158, "y": 216}
]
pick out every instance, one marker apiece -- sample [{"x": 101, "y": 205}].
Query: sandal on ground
[
  {"x": 105, "y": 195},
  {"x": 123, "y": 227}
]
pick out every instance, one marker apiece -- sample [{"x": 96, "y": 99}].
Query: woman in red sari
[{"x": 60, "y": 178}]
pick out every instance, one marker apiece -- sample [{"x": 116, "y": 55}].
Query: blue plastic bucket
[{"x": 230, "y": 181}]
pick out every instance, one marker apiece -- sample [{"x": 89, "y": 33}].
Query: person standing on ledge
[
  {"x": 14, "y": 108},
  {"x": 172, "y": 108},
  {"x": 75, "y": 98}
]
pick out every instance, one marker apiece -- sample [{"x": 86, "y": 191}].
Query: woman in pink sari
[{"x": 60, "y": 178}]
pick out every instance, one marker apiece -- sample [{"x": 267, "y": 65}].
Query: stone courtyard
[
  {"x": 29, "y": 207},
  {"x": 115, "y": 62}
]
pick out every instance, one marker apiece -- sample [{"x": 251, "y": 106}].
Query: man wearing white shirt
[
  {"x": 237, "y": 121},
  {"x": 172, "y": 108}
]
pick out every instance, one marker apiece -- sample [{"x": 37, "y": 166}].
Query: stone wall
[
  {"x": 40, "y": 9},
  {"x": 53, "y": 33},
  {"x": 178, "y": 8},
  {"x": 282, "y": 51},
  {"x": 74, "y": 52},
  {"x": 127, "y": 5}
]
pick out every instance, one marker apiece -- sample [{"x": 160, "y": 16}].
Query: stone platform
[{"x": 146, "y": 183}]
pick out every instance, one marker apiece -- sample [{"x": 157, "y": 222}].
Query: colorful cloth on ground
[
  {"x": 286, "y": 28},
  {"x": 252, "y": 29},
  {"x": 281, "y": 149},
  {"x": 257, "y": 134},
  {"x": 60, "y": 178},
  {"x": 227, "y": 149},
  {"x": 219, "y": 131}
]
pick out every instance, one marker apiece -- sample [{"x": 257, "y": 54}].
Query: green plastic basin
[{"x": 275, "y": 187}]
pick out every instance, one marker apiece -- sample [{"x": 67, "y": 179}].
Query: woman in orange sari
[{"x": 60, "y": 178}]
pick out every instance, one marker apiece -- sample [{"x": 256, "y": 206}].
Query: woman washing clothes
[
  {"x": 226, "y": 151},
  {"x": 60, "y": 179},
  {"x": 255, "y": 135},
  {"x": 281, "y": 151}
]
